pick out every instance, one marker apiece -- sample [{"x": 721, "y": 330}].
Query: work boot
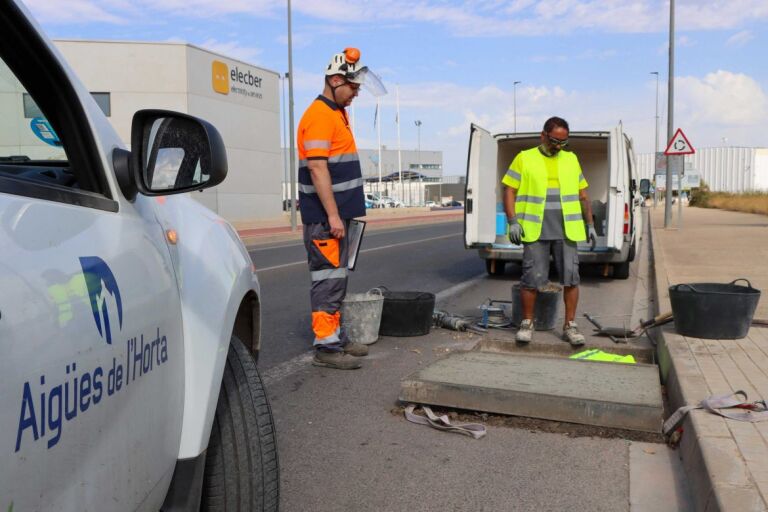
[
  {"x": 572, "y": 335},
  {"x": 525, "y": 333},
  {"x": 337, "y": 360},
  {"x": 356, "y": 349}
]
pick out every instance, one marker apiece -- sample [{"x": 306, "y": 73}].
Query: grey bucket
[
  {"x": 361, "y": 316},
  {"x": 545, "y": 309}
]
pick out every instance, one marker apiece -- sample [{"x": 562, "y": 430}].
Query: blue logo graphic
[
  {"x": 103, "y": 292},
  {"x": 44, "y": 131}
]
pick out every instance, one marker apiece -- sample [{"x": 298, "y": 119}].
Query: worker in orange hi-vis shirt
[{"x": 330, "y": 195}]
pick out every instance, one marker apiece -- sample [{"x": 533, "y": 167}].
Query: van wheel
[
  {"x": 621, "y": 270},
  {"x": 632, "y": 251},
  {"x": 241, "y": 466},
  {"x": 495, "y": 267}
]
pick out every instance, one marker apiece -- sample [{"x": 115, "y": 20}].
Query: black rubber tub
[
  {"x": 713, "y": 310},
  {"x": 406, "y": 313}
]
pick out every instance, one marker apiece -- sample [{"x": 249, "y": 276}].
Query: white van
[
  {"x": 608, "y": 163},
  {"x": 129, "y": 313}
]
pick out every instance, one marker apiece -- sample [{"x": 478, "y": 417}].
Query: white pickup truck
[{"x": 129, "y": 316}]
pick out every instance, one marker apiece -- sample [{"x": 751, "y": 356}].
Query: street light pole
[
  {"x": 514, "y": 103},
  {"x": 290, "y": 122},
  {"x": 655, "y": 136},
  {"x": 418, "y": 149},
  {"x": 670, "y": 112}
]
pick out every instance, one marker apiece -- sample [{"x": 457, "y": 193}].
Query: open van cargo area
[{"x": 607, "y": 162}]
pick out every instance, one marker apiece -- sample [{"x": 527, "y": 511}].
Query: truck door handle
[{"x": 468, "y": 205}]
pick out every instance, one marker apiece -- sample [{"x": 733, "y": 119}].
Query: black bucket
[
  {"x": 544, "y": 310},
  {"x": 713, "y": 310},
  {"x": 406, "y": 313}
]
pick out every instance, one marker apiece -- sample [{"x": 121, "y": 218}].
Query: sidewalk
[
  {"x": 726, "y": 462},
  {"x": 280, "y": 227}
]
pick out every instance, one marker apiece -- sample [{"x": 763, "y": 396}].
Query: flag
[{"x": 376, "y": 115}]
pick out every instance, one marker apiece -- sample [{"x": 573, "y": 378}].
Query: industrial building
[
  {"x": 727, "y": 169},
  {"x": 240, "y": 99}
]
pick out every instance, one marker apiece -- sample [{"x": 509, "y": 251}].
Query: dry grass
[{"x": 753, "y": 202}]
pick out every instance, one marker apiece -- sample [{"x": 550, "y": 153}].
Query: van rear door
[
  {"x": 480, "y": 205},
  {"x": 617, "y": 190}
]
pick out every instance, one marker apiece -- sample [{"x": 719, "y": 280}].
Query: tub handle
[
  {"x": 376, "y": 291},
  {"x": 690, "y": 286},
  {"x": 742, "y": 279}
]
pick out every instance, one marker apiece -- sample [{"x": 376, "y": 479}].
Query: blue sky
[{"x": 455, "y": 61}]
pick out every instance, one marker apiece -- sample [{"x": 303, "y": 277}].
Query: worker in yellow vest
[{"x": 547, "y": 207}]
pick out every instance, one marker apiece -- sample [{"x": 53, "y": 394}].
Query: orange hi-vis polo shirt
[{"x": 324, "y": 134}]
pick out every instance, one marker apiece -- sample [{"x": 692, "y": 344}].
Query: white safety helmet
[{"x": 348, "y": 65}]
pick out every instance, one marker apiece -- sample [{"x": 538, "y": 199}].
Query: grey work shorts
[{"x": 536, "y": 263}]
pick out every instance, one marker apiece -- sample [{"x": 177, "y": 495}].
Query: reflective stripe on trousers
[{"x": 328, "y": 258}]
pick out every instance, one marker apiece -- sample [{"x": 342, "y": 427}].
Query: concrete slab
[{"x": 586, "y": 392}]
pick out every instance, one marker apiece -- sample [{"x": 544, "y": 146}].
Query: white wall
[{"x": 179, "y": 77}]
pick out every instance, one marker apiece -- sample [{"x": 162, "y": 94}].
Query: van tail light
[{"x": 626, "y": 219}]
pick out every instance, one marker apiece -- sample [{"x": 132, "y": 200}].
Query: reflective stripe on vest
[
  {"x": 530, "y": 202},
  {"x": 336, "y": 187}
]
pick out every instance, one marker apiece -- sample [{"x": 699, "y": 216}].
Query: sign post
[{"x": 677, "y": 148}]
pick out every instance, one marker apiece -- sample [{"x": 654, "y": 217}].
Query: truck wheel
[
  {"x": 241, "y": 466},
  {"x": 495, "y": 267},
  {"x": 621, "y": 270}
]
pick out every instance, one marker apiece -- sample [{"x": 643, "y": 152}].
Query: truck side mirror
[{"x": 172, "y": 153}]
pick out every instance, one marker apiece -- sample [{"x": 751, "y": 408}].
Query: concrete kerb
[{"x": 717, "y": 474}]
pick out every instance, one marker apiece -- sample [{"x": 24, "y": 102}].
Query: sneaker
[
  {"x": 356, "y": 349},
  {"x": 336, "y": 360},
  {"x": 572, "y": 335},
  {"x": 525, "y": 333}
]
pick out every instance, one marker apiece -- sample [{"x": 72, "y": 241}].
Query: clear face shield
[{"x": 369, "y": 81}]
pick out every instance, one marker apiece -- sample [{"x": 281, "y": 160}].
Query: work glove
[
  {"x": 591, "y": 236},
  {"x": 516, "y": 232}
]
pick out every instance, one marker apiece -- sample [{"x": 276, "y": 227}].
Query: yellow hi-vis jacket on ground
[{"x": 528, "y": 175}]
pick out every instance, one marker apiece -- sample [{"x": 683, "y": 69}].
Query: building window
[
  {"x": 103, "y": 101},
  {"x": 31, "y": 110}
]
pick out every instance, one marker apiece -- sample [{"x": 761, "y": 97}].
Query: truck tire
[
  {"x": 495, "y": 267},
  {"x": 241, "y": 466},
  {"x": 621, "y": 270}
]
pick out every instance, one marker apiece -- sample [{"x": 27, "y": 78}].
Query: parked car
[
  {"x": 130, "y": 312},
  {"x": 391, "y": 202},
  {"x": 431, "y": 204},
  {"x": 452, "y": 203},
  {"x": 608, "y": 162}
]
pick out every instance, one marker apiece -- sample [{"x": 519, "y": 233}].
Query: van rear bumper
[{"x": 515, "y": 253}]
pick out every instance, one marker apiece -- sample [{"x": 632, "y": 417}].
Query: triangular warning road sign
[{"x": 679, "y": 145}]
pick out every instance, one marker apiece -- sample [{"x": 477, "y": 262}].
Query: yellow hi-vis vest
[{"x": 528, "y": 174}]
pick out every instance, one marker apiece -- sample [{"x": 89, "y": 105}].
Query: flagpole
[
  {"x": 399, "y": 156},
  {"x": 378, "y": 134}
]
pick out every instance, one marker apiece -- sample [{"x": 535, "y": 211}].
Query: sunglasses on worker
[{"x": 557, "y": 142}]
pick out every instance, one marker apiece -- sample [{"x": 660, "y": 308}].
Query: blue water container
[{"x": 501, "y": 224}]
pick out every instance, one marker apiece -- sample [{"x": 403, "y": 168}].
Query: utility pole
[
  {"x": 655, "y": 135},
  {"x": 284, "y": 145},
  {"x": 418, "y": 150},
  {"x": 399, "y": 155},
  {"x": 670, "y": 112},
  {"x": 514, "y": 104},
  {"x": 290, "y": 122}
]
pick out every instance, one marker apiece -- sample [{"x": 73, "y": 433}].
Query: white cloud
[
  {"x": 473, "y": 19},
  {"x": 233, "y": 50},
  {"x": 722, "y": 97},
  {"x": 73, "y": 12},
  {"x": 740, "y": 38}
]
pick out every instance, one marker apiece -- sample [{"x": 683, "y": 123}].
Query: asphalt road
[
  {"x": 345, "y": 446},
  {"x": 425, "y": 258}
]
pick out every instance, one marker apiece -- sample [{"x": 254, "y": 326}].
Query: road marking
[
  {"x": 368, "y": 235},
  {"x": 293, "y": 365},
  {"x": 401, "y": 244}
]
